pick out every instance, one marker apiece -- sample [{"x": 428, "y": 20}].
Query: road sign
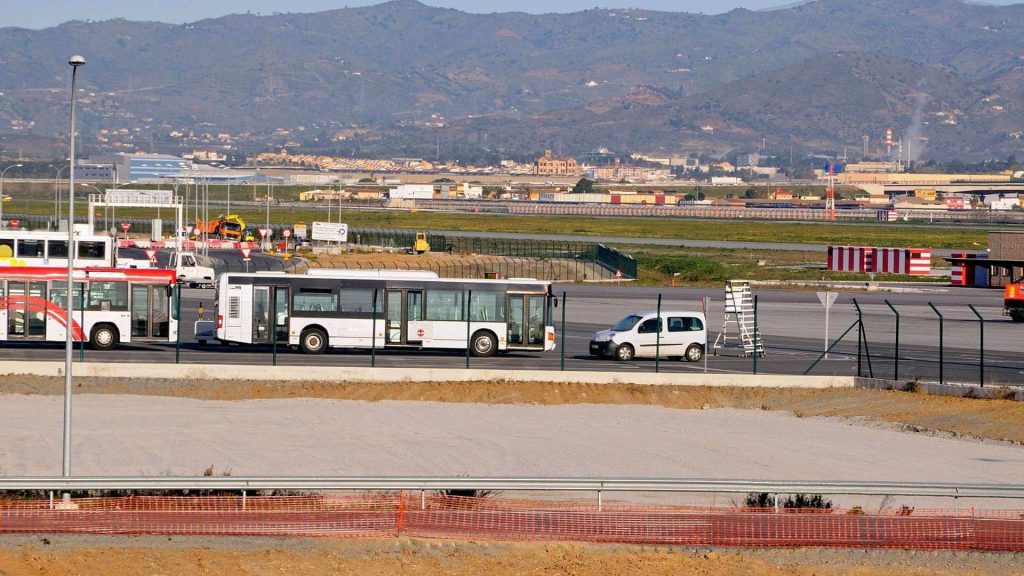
[
  {"x": 827, "y": 299},
  {"x": 245, "y": 253},
  {"x": 286, "y": 233},
  {"x": 263, "y": 232},
  {"x": 189, "y": 229},
  {"x": 151, "y": 254},
  {"x": 14, "y": 222},
  {"x": 126, "y": 226}
]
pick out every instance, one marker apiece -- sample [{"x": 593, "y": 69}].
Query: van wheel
[
  {"x": 104, "y": 337},
  {"x": 694, "y": 353},
  {"x": 624, "y": 353},
  {"x": 313, "y": 341},
  {"x": 483, "y": 345}
]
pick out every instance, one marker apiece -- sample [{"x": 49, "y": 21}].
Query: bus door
[
  {"x": 150, "y": 312},
  {"x": 26, "y": 310},
  {"x": 281, "y": 301},
  {"x": 526, "y": 320},
  {"x": 403, "y": 314},
  {"x": 261, "y": 314}
]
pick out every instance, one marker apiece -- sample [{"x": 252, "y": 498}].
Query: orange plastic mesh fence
[{"x": 385, "y": 515}]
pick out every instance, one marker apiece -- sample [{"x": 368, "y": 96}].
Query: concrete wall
[{"x": 354, "y": 374}]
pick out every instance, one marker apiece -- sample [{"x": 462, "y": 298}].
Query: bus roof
[
  {"x": 341, "y": 276},
  {"x": 142, "y": 275}
]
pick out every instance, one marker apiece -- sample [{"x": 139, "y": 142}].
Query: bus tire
[
  {"x": 694, "y": 353},
  {"x": 313, "y": 341},
  {"x": 1016, "y": 314},
  {"x": 483, "y": 344},
  {"x": 103, "y": 337},
  {"x": 624, "y": 353}
]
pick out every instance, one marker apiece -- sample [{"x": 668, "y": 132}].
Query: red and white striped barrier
[
  {"x": 186, "y": 244},
  {"x": 906, "y": 261},
  {"x": 849, "y": 259}
]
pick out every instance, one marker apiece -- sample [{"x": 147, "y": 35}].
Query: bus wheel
[
  {"x": 104, "y": 337},
  {"x": 484, "y": 344},
  {"x": 1017, "y": 314},
  {"x": 313, "y": 341}
]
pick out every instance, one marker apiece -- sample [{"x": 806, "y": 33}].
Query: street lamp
[
  {"x": 2, "y": 190},
  {"x": 75, "y": 61}
]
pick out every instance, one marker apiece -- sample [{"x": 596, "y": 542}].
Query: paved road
[{"x": 792, "y": 323}]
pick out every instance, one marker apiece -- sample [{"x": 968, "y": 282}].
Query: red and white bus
[{"x": 111, "y": 305}]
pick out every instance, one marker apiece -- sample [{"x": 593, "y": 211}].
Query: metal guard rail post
[{"x": 923, "y": 489}]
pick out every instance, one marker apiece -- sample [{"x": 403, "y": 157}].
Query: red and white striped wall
[{"x": 906, "y": 261}]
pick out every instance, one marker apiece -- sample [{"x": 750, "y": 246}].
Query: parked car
[{"x": 683, "y": 336}]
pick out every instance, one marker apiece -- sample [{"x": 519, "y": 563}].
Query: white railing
[{"x": 315, "y": 483}]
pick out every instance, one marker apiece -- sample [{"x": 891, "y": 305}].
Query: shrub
[{"x": 793, "y": 502}]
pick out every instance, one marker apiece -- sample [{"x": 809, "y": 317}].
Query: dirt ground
[
  {"x": 989, "y": 419},
  {"x": 152, "y": 556}
]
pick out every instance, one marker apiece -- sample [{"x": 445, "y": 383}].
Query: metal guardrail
[{"x": 313, "y": 483}]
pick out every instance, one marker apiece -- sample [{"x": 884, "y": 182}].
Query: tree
[{"x": 583, "y": 186}]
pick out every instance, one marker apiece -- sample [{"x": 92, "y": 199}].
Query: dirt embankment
[
  {"x": 991, "y": 419},
  {"x": 147, "y": 556}
]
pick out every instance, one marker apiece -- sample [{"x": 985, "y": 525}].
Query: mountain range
[{"x": 405, "y": 78}]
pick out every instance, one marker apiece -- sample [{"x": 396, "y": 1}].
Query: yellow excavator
[{"x": 420, "y": 245}]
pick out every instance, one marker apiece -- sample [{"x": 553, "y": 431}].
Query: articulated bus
[
  {"x": 50, "y": 248},
  {"x": 111, "y": 305},
  {"x": 413, "y": 311}
]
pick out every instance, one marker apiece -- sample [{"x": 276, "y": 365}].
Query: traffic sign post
[
  {"x": 287, "y": 233},
  {"x": 246, "y": 257},
  {"x": 125, "y": 226},
  {"x": 264, "y": 233},
  {"x": 827, "y": 299},
  {"x": 14, "y": 222},
  {"x": 151, "y": 254}
]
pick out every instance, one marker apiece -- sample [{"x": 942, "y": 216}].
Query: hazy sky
[{"x": 45, "y": 13}]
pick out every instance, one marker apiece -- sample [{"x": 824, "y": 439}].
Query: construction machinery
[
  {"x": 420, "y": 245},
  {"x": 230, "y": 227}
]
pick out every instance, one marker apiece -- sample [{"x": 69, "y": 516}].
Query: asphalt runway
[{"x": 792, "y": 324}]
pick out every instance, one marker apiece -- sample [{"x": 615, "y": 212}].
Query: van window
[
  {"x": 652, "y": 326},
  {"x": 685, "y": 324},
  {"x": 626, "y": 324}
]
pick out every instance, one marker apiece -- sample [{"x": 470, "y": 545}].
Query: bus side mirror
[{"x": 170, "y": 290}]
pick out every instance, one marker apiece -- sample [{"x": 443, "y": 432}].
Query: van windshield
[{"x": 626, "y": 324}]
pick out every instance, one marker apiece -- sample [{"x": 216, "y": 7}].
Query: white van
[{"x": 684, "y": 336}]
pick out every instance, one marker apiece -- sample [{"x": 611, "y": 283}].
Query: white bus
[
  {"x": 50, "y": 248},
  {"x": 316, "y": 312},
  {"x": 111, "y": 305}
]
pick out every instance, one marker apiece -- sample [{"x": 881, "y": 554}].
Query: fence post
[
  {"x": 941, "y": 343},
  {"x": 273, "y": 331},
  {"x": 469, "y": 342},
  {"x": 863, "y": 332},
  {"x": 177, "y": 312},
  {"x": 860, "y": 335},
  {"x": 657, "y": 338},
  {"x": 896, "y": 353},
  {"x": 562, "y": 332},
  {"x": 757, "y": 330},
  {"x": 981, "y": 344},
  {"x": 373, "y": 330}
]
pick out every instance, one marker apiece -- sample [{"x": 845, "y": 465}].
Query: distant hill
[{"x": 403, "y": 77}]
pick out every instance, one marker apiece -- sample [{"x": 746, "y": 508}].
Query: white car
[{"x": 683, "y": 336}]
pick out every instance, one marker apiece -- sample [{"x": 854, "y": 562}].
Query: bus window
[
  {"x": 30, "y": 248},
  {"x": 6, "y": 247},
  {"x": 444, "y": 305},
  {"x": 95, "y": 250},
  {"x": 108, "y": 296},
  {"x": 357, "y": 303},
  {"x": 487, "y": 307},
  {"x": 57, "y": 249},
  {"x": 315, "y": 300},
  {"x": 59, "y": 293}
]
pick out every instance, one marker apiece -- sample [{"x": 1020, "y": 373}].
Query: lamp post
[
  {"x": 75, "y": 61},
  {"x": 2, "y": 190}
]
